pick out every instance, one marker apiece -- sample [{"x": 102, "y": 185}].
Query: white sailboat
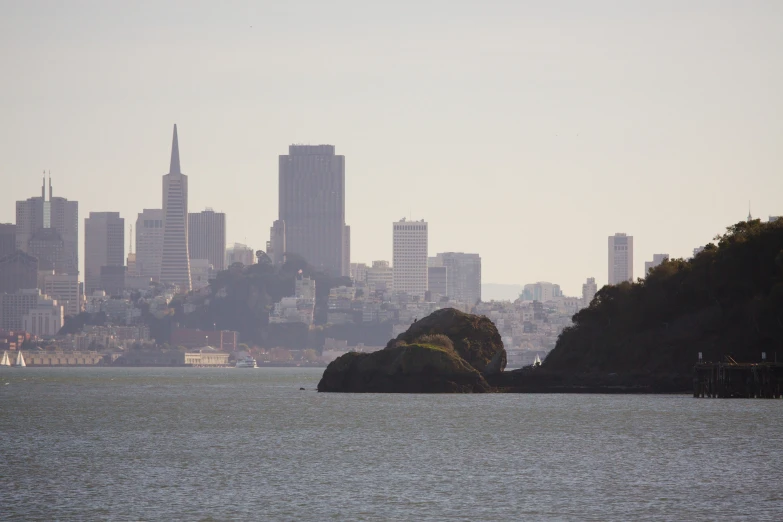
[
  {"x": 5, "y": 361},
  {"x": 20, "y": 360},
  {"x": 537, "y": 361}
]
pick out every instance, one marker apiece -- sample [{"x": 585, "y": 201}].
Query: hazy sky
[{"x": 525, "y": 131}]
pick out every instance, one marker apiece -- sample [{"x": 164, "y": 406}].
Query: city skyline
[{"x": 629, "y": 113}]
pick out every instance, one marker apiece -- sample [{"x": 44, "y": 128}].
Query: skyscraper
[
  {"x": 207, "y": 237},
  {"x": 149, "y": 242},
  {"x": 464, "y": 275},
  {"x": 59, "y": 215},
  {"x": 620, "y": 258},
  {"x": 175, "y": 262},
  {"x": 410, "y": 257},
  {"x": 275, "y": 248},
  {"x": 657, "y": 260},
  {"x": 312, "y": 205},
  {"x": 104, "y": 245},
  {"x": 7, "y": 239},
  {"x": 589, "y": 289}
]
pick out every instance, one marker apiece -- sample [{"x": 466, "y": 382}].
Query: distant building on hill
[
  {"x": 620, "y": 258},
  {"x": 657, "y": 260}
]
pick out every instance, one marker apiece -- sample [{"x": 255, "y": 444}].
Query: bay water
[{"x": 243, "y": 444}]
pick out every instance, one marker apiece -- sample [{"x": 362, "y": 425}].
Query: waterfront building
[
  {"x": 44, "y": 319},
  {"x": 620, "y": 258},
  {"x": 589, "y": 289},
  {"x": 410, "y": 257},
  {"x": 207, "y": 237},
  {"x": 104, "y": 245},
  {"x": 240, "y": 253},
  {"x": 312, "y": 205},
  {"x": 58, "y": 214},
  {"x": 175, "y": 261},
  {"x": 190, "y": 338},
  {"x": 66, "y": 289},
  {"x": 7, "y": 239},
  {"x": 18, "y": 271},
  {"x": 464, "y": 275},
  {"x": 149, "y": 242},
  {"x": 380, "y": 277},
  {"x": 657, "y": 260}
]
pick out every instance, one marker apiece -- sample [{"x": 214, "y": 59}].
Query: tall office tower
[
  {"x": 13, "y": 307},
  {"x": 18, "y": 271},
  {"x": 104, "y": 245},
  {"x": 175, "y": 261},
  {"x": 57, "y": 214},
  {"x": 149, "y": 242},
  {"x": 48, "y": 246},
  {"x": 657, "y": 260},
  {"x": 66, "y": 290},
  {"x": 312, "y": 204},
  {"x": 7, "y": 239},
  {"x": 464, "y": 276},
  {"x": 589, "y": 289},
  {"x": 275, "y": 248},
  {"x": 207, "y": 237},
  {"x": 438, "y": 281},
  {"x": 410, "y": 257},
  {"x": 620, "y": 258}
]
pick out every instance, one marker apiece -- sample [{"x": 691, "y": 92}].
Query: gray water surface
[{"x": 232, "y": 444}]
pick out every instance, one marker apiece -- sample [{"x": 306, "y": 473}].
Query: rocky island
[{"x": 446, "y": 352}]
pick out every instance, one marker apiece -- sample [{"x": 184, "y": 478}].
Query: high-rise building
[
  {"x": 104, "y": 245},
  {"x": 207, "y": 237},
  {"x": 657, "y": 260},
  {"x": 14, "y": 306},
  {"x": 359, "y": 273},
  {"x": 410, "y": 257},
  {"x": 175, "y": 261},
  {"x": 65, "y": 288},
  {"x": 45, "y": 318},
  {"x": 57, "y": 214},
  {"x": 275, "y": 248},
  {"x": 380, "y": 277},
  {"x": 620, "y": 258},
  {"x": 18, "y": 271},
  {"x": 464, "y": 276},
  {"x": 589, "y": 289},
  {"x": 541, "y": 291},
  {"x": 312, "y": 205},
  {"x": 240, "y": 253},
  {"x": 7, "y": 239},
  {"x": 438, "y": 281},
  {"x": 149, "y": 242},
  {"x": 48, "y": 246}
]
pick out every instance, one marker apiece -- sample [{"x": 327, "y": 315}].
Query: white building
[
  {"x": 175, "y": 261},
  {"x": 657, "y": 260},
  {"x": 359, "y": 272},
  {"x": 620, "y": 258},
  {"x": 589, "y": 289},
  {"x": 44, "y": 319},
  {"x": 541, "y": 291},
  {"x": 149, "y": 242},
  {"x": 410, "y": 257},
  {"x": 66, "y": 290}
]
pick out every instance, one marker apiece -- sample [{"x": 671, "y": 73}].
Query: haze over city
[{"x": 526, "y": 132}]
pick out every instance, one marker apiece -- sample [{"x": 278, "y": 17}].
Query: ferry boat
[{"x": 246, "y": 362}]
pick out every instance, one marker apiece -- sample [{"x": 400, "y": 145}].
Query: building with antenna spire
[
  {"x": 50, "y": 226},
  {"x": 175, "y": 261}
]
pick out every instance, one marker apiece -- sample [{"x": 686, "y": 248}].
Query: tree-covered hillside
[{"x": 727, "y": 300}]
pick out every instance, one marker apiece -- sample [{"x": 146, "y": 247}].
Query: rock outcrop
[
  {"x": 446, "y": 352},
  {"x": 475, "y": 338}
]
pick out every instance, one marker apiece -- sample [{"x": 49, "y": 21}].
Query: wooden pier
[{"x": 731, "y": 379}]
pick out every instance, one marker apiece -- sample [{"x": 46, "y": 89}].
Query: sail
[
  {"x": 5, "y": 361},
  {"x": 20, "y": 359}
]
